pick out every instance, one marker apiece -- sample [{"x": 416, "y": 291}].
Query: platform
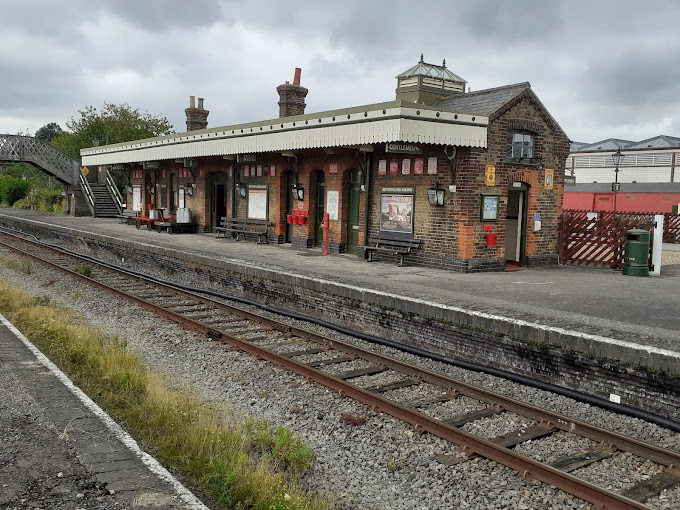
[
  {"x": 64, "y": 439},
  {"x": 627, "y": 318}
]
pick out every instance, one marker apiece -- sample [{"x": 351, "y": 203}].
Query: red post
[{"x": 326, "y": 219}]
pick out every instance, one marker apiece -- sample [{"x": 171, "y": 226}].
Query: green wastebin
[{"x": 636, "y": 261}]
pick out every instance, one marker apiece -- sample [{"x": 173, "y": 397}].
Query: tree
[
  {"x": 49, "y": 132},
  {"x": 113, "y": 124}
]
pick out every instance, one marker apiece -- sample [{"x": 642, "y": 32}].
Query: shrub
[{"x": 12, "y": 189}]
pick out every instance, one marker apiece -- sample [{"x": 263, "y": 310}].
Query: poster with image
[
  {"x": 257, "y": 203},
  {"x": 396, "y": 213}
]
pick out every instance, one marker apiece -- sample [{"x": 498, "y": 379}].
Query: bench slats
[
  {"x": 243, "y": 226},
  {"x": 392, "y": 245}
]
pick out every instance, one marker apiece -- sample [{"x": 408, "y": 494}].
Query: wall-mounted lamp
[
  {"x": 435, "y": 195},
  {"x": 189, "y": 190},
  {"x": 129, "y": 190},
  {"x": 298, "y": 192},
  {"x": 151, "y": 190},
  {"x": 242, "y": 191}
]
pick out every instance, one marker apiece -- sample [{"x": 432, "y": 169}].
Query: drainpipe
[
  {"x": 236, "y": 170},
  {"x": 367, "y": 201}
]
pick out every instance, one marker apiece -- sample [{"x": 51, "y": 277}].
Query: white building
[{"x": 652, "y": 160}]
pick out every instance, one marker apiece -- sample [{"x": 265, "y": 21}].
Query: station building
[{"x": 477, "y": 177}]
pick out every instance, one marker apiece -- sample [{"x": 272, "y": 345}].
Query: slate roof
[
  {"x": 577, "y": 146},
  {"x": 611, "y": 144},
  {"x": 482, "y": 102},
  {"x": 657, "y": 142}
]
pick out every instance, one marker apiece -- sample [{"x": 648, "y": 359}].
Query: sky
[{"x": 604, "y": 69}]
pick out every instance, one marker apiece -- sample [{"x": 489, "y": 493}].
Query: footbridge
[
  {"x": 102, "y": 200},
  {"x": 27, "y": 149}
]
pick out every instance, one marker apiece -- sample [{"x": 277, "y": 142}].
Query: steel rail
[{"x": 471, "y": 444}]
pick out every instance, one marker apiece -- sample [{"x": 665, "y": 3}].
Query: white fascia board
[{"x": 420, "y": 125}]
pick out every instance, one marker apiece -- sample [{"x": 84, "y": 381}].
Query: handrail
[
  {"x": 113, "y": 190},
  {"x": 43, "y": 155},
  {"x": 87, "y": 191}
]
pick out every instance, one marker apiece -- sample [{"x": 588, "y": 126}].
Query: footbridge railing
[{"x": 27, "y": 149}]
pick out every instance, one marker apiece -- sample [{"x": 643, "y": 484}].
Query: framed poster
[
  {"x": 549, "y": 178},
  {"x": 137, "y": 197},
  {"x": 332, "y": 204},
  {"x": 382, "y": 167},
  {"x": 432, "y": 165},
  {"x": 394, "y": 166},
  {"x": 418, "y": 166},
  {"x": 258, "y": 200},
  {"x": 488, "y": 209},
  {"x": 405, "y": 166},
  {"x": 333, "y": 168},
  {"x": 396, "y": 214},
  {"x": 180, "y": 198}
]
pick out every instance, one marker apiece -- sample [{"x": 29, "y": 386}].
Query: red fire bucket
[
  {"x": 491, "y": 239},
  {"x": 289, "y": 218}
]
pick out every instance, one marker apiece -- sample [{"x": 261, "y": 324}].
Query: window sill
[{"x": 530, "y": 162}]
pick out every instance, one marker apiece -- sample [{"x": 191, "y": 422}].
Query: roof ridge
[{"x": 502, "y": 87}]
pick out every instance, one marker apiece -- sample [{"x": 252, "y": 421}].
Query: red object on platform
[
  {"x": 491, "y": 239},
  {"x": 289, "y": 218},
  {"x": 487, "y": 228}
]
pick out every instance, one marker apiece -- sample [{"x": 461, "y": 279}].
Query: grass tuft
[{"x": 250, "y": 465}]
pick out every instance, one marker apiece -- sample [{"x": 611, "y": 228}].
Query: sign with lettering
[
  {"x": 403, "y": 148},
  {"x": 259, "y": 170},
  {"x": 333, "y": 168},
  {"x": 257, "y": 202},
  {"x": 394, "y": 166},
  {"x": 432, "y": 165},
  {"x": 490, "y": 179},
  {"x": 570, "y": 180},
  {"x": 549, "y": 178},
  {"x": 405, "y": 166},
  {"x": 418, "y": 166},
  {"x": 246, "y": 158},
  {"x": 150, "y": 165},
  {"x": 85, "y": 170},
  {"x": 396, "y": 213},
  {"x": 382, "y": 167},
  {"x": 272, "y": 170},
  {"x": 332, "y": 204}
]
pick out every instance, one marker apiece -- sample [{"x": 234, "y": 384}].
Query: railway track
[{"x": 430, "y": 402}]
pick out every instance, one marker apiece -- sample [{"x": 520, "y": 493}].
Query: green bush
[
  {"x": 13, "y": 189},
  {"x": 42, "y": 199}
]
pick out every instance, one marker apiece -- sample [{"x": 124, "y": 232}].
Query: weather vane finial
[
  {"x": 421, "y": 58},
  {"x": 444, "y": 63}
]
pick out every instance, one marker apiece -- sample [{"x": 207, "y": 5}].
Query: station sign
[
  {"x": 150, "y": 165},
  {"x": 570, "y": 180},
  {"x": 246, "y": 158},
  {"x": 403, "y": 148}
]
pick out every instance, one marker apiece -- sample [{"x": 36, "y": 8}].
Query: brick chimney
[
  {"x": 292, "y": 97},
  {"x": 197, "y": 118}
]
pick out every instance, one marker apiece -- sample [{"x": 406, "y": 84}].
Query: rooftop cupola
[{"x": 427, "y": 83}]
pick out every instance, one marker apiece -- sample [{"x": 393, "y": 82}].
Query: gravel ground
[{"x": 382, "y": 464}]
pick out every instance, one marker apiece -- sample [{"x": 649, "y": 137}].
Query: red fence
[
  {"x": 599, "y": 239},
  {"x": 671, "y": 229}
]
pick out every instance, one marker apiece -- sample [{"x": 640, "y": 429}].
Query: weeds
[
  {"x": 235, "y": 464},
  {"x": 354, "y": 419},
  {"x": 83, "y": 270}
]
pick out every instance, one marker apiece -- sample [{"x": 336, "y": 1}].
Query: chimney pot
[
  {"x": 200, "y": 103},
  {"x": 192, "y": 102},
  {"x": 298, "y": 72}
]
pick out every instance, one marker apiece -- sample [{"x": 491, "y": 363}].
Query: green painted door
[
  {"x": 218, "y": 198},
  {"x": 353, "y": 211},
  {"x": 319, "y": 206}
]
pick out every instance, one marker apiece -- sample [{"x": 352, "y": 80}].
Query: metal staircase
[
  {"x": 104, "y": 205},
  {"x": 26, "y": 149}
]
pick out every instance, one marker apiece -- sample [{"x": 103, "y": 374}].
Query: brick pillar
[
  {"x": 292, "y": 97},
  {"x": 197, "y": 118}
]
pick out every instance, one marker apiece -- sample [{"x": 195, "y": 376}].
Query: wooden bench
[
  {"x": 243, "y": 226},
  {"x": 393, "y": 245},
  {"x": 127, "y": 216}
]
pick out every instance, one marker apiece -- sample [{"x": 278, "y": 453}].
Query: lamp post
[{"x": 617, "y": 157}]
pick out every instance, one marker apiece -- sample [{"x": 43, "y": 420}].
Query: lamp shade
[
  {"x": 435, "y": 195},
  {"x": 617, "y": 157}
]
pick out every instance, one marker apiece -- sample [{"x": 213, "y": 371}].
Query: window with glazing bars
[{"x": 520, "y": 145}]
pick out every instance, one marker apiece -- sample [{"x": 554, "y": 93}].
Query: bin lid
[{"x": 638, "y": 231}]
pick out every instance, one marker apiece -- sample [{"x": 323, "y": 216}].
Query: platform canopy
[{"x": 396, "y": 121}]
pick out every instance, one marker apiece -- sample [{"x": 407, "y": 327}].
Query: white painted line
[{"x": 184, "y": 494}]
